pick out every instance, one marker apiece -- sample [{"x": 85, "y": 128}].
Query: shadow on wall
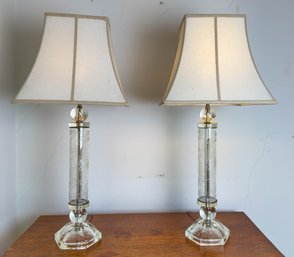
[{"x": 147, "y": 62}]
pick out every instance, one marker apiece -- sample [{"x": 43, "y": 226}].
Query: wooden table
[{"x": 145, "y": 235}]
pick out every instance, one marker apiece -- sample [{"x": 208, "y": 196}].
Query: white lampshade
[
  {"x": 75, "y": 63},
  {"x": 214, "y": 64}
]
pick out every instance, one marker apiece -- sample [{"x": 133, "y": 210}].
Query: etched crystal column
[
  {"x": 78, "y": 233},
  {"x": 79, "y": 165},
  {"x": 207, "y": 230}
]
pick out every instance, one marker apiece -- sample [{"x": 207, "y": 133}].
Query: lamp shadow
[{"x": 149, "y": 54}]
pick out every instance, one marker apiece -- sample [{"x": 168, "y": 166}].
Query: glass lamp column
[
  {"x": 207, "y": 231},
  {"x": 78, "y": 233}
]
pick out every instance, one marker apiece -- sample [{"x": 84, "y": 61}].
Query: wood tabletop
[{"x": 145, "y": 235}]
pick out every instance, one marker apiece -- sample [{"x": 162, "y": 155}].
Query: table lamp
[
  {"x": 213, "y": 66},
  {"x": 75, "y": 65}
]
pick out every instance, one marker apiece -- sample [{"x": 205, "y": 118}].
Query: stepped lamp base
[
  {"x": 208, "y": 232},
  {"x": 79, "y": 233},
  {"x": 74, "y": 236}
]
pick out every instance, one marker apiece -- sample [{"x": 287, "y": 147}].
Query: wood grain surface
[{"x": 145, "y": 235}]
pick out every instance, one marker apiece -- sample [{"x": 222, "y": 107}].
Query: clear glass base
[
  {"x": 207, "y": 231},
  {"x": 79, "y": 233},
  {"x": 73, "y": 236}
]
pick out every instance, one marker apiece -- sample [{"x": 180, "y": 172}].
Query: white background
[{"x": 143, "y": 158}]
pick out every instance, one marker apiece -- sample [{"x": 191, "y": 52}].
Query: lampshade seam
[
  {"x": 74, "y": 60},
  {"x": 216, "y": 59}
]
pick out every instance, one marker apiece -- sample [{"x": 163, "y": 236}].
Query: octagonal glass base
[
  {"x": 77, "y": 236},
  {"x": 208, "y": 232}
]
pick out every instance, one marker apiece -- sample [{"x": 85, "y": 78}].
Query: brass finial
[
  {"x": 207, "y": 115},
  {"x": 79, "y": 114}
]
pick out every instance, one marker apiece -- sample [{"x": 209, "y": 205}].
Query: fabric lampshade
[
  {"x": 214, "y": 64},
  {"x": 75, "y": 64}
]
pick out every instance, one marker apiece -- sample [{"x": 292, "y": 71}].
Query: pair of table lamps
[{"x": 76, "y": 65}]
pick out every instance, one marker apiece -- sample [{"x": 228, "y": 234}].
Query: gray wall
[
  {"x": 144, "y": 157},
  {"x": 7, "y": 134}
]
